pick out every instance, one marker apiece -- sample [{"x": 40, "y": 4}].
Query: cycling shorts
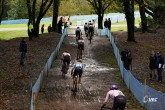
[
  {"x": 78, "y": 33},
  {"x": 78, "y": 72},
  {"x": 91, "y": 29},
  {"x": 66, "y": 59},
  {"x": 119, "y": 102},
  {"x": 80, "y": 45}
]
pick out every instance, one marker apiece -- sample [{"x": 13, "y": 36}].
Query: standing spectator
[
  {"x": 23, "y": 50},
  {"x": 109, "y": 23},
  {"x": 69, "y": 22},
  {"x": 106, "y": 23},
  {"x": 152, "y": 65},
  {"x": 49, "y": 28},
  {"x": 159, "y": 66},
  {"x": 65, "y": 25},
  {"x": 127, "y": 59},
  {"x": 60, "y": 25},
  {"x": 30, "y": 30},
  {"x": 42, "y": 29},
  {"x": 63, "y": 20}
]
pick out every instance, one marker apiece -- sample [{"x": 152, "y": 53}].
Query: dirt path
[{"x": 100, "y": 71}]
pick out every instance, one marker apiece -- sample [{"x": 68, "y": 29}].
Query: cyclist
[
  {"x": 86, "y": 29},
  {"x": 90, "y": 29},
  {"x": 80, "y": 48},
  {"x": 78, "y": 33},
  {"x": 77, "y": 70},
  {"x": 118, "y": 97},
  {"x": 66, "y": 58}
]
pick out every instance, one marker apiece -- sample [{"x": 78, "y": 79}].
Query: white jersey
[
  {"x": 80, "y": 41},
  {"x": 112, "y": 94},
  {"x": 64, "y": 54}
]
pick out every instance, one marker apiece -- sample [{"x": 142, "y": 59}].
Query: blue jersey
[{"x": 78, "y": 65}]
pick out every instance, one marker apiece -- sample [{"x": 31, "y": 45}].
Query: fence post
[
  {"x": 129, "y": 78},
  {"x": 34, "y": 101},
  {"x": 47, "y": 69},
  {"x": 144, "y": 91}
]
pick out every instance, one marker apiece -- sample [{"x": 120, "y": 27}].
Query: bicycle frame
[
  {"x": 75, "y": 82},
  {"x": 90, "y": 35},
  {"x": 64, "y": 70}
]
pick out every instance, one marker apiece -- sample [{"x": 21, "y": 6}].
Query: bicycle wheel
[
  {"x": 64, "y": 70},
  {"x": 90, "y": 37},
  {"x": 75, "y": 83}
]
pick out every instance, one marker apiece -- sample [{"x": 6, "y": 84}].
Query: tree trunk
[
  {"x": 1, "y": 9},
  {"x": 143, "y": 16},
  {"x": 100, "y": 21},
  {"x": 55, "y": 14},
  {"x": 37, "y": 28},
  {"x": 45, "y": 5},
  {"x": 129, "y": 13},
  {"x": 100, "y": 15}
]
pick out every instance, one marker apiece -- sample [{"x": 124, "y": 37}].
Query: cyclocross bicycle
[
  {"x": 90, "y": 36},
  {"x": 64, "y": 70}
]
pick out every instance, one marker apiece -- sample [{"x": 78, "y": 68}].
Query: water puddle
[
  {"x": 93, "y": 66},
  {"x": 72, "y": 43}
]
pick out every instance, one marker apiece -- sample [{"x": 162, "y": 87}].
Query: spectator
[
  {"x": 63, "y": 20},
  {"x": 127, "y": 59},
  {"x": 65, "y": 25},
  {"x": 152, "y": 65},
  {"x": 159, "y": 66},
  {"x": 23, "y": 50},
  {"x": 106, "y": 23},
  {"x": 30, "y": 30},
  {"x": 49, "y": 28},
  {"x": 109, "y": 23},
  {"x": 60, "y": 25},
  {"x": 42, "y": 29}
]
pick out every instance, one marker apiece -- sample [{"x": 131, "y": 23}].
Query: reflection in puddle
[
  {"x": 73, "y": 43},
  {"x": 93, "y": 66}
]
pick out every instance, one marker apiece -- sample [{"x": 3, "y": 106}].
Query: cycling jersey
[
  {"x": 78, "y": 69},
  {"x": 85, "y": 27},
  {"x": 112, "y": 94},
  {"x": 78, "y": 31},
  {"x": 91, "y": 28},
  {"x": 66, "y": 57},
  {"x": 81, "y": 44},
  {"x": 78, "y": 65},
  {"x": 118, "y": 97}
]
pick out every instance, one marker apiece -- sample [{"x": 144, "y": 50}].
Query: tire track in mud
[{"x": 56, "y": 92}]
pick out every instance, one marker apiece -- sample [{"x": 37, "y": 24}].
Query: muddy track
[{"x": 56, "y": 92}]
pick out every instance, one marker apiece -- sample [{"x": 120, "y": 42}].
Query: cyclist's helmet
[
  {"x": 113, "y": 87},
  {"x": 78, "y": 27},
  {"x": 86, "y": 23}
]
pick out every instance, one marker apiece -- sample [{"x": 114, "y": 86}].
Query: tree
[
  {"x": 17, "y": 10},
  {"x": 100, "y": 7},
  {"x": 143, "y": 16},
  {"x": 129, "y": 13},
  {"x": 156, "y": 9},
  {"x": 55, "y": 14},
  {"x": 1, "y": 9},
  {"x": 45, "y": 5}
]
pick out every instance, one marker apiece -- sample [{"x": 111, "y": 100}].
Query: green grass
[
  {"x": 7, "y": 35},
  {"x": 13, "y": 25},
  {"x": 137, "y": 21},
  {"x": 21, "y": 25},
  {"x": 114, "y": 29}
]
